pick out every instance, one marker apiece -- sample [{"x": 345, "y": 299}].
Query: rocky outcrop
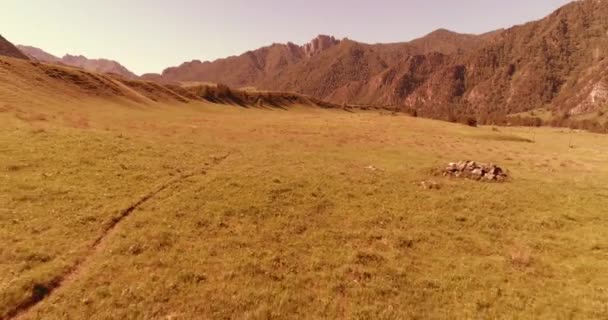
[
  {"x": 594, "y": 100},
  {"x": 475, "y": 171},
  {"x": 319, "y": 44}
]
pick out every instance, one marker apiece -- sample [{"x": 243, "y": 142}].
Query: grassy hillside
[{"x": 117, "y": 208}]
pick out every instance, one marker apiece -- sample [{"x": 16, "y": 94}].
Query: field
[{"x": 202, "y": 211}]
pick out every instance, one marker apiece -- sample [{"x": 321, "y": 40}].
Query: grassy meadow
[{"x": 300, "y": 213}]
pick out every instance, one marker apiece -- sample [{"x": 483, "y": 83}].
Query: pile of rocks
[{"x": 476, "y": 171}]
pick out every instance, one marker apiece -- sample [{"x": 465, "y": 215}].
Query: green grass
[{"x": 294, "y": 224}]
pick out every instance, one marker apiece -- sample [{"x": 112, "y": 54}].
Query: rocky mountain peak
[{"x": 319, "y": 44}]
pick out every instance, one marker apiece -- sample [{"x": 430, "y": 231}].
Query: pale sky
[{"x": 150, "y": 35}]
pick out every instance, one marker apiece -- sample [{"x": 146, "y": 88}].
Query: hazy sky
[{"x": 150, "y": 35}]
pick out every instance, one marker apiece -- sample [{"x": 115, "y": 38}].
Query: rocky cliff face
[{"x": 557, "y": 62}]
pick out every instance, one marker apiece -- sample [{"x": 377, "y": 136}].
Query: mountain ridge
[
  {"x": 556, "y": 62},
  {"x": 10, "y": 50},
  {"x": 79, "y": 61}
]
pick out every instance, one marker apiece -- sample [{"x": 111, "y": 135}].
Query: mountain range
[
  {"x": 557, "y": 64},
  {"x": 79, "y": 61}
]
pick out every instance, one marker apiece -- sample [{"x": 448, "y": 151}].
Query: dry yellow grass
[
  {"x": 294, "y": 223},
  {"x": 133, "y": 210}
]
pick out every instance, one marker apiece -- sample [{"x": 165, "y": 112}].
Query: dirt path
[{"x": 41, "y": 292}]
